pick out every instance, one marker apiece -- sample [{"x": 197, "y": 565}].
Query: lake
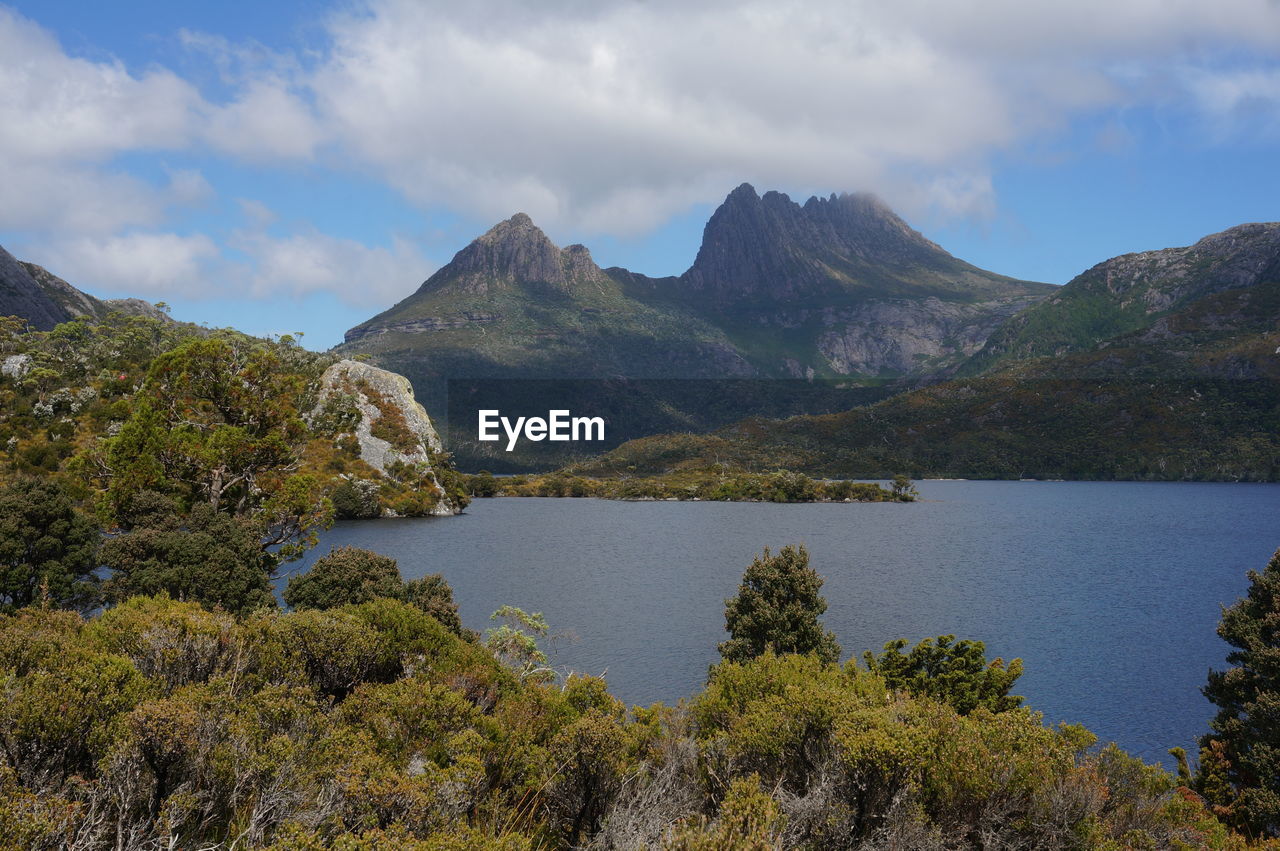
[{"x": 1109, "y": 592}]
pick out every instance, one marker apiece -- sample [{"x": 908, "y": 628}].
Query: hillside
[
  {"x": 44, "y": 300},
  {"x": 1139, "y": 291},
  {"x": 133, "y": 404},
  {"x": 1193, "y": 392}
]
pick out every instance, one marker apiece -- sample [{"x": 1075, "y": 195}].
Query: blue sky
[{"x": 290, "y": 166}]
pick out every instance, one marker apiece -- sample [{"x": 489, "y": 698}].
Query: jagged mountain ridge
[
  {"x": 769, "y": 249},
  {"x": 44, "y": 300},
  {"x": 840, "y": 286}
]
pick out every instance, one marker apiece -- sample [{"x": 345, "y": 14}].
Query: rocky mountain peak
[
  {"x": 513, "y": 252},
  {"x": 768, "y": 246}
]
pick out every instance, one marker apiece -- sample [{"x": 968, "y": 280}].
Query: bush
[
  {"x": 777, "y": 607},
  {"x": 955, "y": 673},
  {"x": 346, "y": 575},
  {"x": 46, "y": 547}
]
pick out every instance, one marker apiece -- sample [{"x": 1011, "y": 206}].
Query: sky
[{"x": 286, "y": 167}]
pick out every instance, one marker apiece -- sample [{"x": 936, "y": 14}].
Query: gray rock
[
  {"x": 358, "y": 380},
  {"x": 15, "y": 366}
]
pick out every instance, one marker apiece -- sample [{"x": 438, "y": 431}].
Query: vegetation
[
  {"x": 201, "y": 453},
  {"x": 777, "y": 609},
  {"x": 47, "y": 547},
  {"x": 716, "y": 484},
  {"x": 130, "y": 404},
  {"x": 204, "y": 555},
  {"x": 190, "y": 712},
  {"x": 347, "y": 575},
  {"x": 1240, "y": 756},
  {"x": 161, "y": 723},
  {"x": 957, "y": 674},
  {"x": 350, "y": 575}
]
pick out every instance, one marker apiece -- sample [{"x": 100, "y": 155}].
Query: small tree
[
  {"x": 903, "y": 490},
  {"x": 433, "y": 595},
  {"x": 778, "y": 606},
  {"x": 1240, "y": 758},
  {"x": 46, "y": 546},
  {"x": 345, "y": 575},
  {"x": 518, "y": 649},
  {"x": 955, "y": 673},
  {"x": 205, "y": 557}
]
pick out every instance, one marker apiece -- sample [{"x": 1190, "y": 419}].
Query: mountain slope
[
  {"x": 1134, "y": 292},
  {"x": 22, "y": 296},
  {"x": 45, "y": 300},
  {"x": 1193, "y": 393}
]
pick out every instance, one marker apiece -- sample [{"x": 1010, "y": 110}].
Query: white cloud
[
  {"x": 309, "y": 262},
  {"x": 613, "y": 116},
  {"x": 54, "y": 107},
  {"x": 604, "y": 116},
  {"x": 71, "y": 199},
  {"x": 144, "y": 264},
  {"x": 266, "y": 122},
  {"x": 1240, "y": 100}
]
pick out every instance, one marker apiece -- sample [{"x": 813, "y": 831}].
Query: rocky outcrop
[
  {"x": 392, "y": 427},
  {"x": 15, "y": 366},
  {"x": 511, "y": 252}
]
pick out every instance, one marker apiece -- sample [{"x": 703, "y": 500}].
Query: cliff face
[
  {"x": 22, "y": 296},
  {"x": 392, "y": 427},
  {"x": 769, "y": 249}
]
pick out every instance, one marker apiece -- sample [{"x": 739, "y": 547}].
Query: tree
[
  {"x": 1240, "y": 758},
  {"x": 777, "y": 607},
  {"x": 518, "y": 649},
  {"x": 206, "y": 557},
  {"x": 346, "y": 575},
  {"x": 433, "y": 595},
  {"x": 957, "y": 674},
  {"x": 218, "y": 423},
  {"x": 46, "y": 546},
  {"x": 903, "y": 490}
]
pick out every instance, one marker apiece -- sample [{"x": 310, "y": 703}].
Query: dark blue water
[{"x": 1109, "y": 592}]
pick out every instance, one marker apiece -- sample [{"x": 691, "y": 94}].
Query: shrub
[
  {"x": 346, "y": 575},
  {"x": 778, "y": 606}
]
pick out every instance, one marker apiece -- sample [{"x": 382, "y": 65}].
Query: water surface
[{"x": 1109, "y": 592}]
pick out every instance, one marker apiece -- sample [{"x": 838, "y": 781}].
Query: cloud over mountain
[{"x": 607, "y": 116}]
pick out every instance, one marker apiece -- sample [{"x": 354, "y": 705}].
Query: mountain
[
  {"x": 45, "y": 300},
  {"x": 840, "y": 286},
  {"x": 1141, "y": 291},
  {"x": 837, "y": 289},
  {"x": 22, "y": 296},
  {"x": 514, "y": 305},
  {"x": 1161, "y": 365}
]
